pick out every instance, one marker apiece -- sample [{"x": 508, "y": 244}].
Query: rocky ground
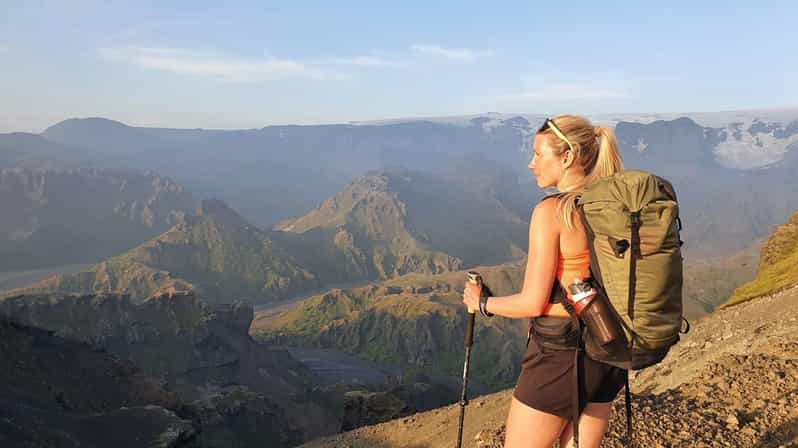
[
  {"x": 731, "y": 382},
  {"x": 234, "y": 391}
]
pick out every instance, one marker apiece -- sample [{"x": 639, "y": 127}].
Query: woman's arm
[{"x": 541, "y": 267}]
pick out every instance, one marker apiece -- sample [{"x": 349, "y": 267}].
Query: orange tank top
[
  {"x": 568, "y": 269},
  {"x": 572, "y": 267}
]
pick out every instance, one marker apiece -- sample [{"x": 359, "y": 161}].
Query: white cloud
[
  {"x": 574, "y": 91},
  {"x": 453, "y": 54},
  {"x": 203, "y": 65},
  {"x": 365, "y": 61}
]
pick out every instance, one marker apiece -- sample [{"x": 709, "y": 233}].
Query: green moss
[
  {"x": 771, "y": 279},
  {"x": 777, "y": 267}
]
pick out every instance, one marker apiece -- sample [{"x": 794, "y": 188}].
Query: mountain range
[
  {"x": 383, "y": 225},
  {"x": 718, "y": 162}
]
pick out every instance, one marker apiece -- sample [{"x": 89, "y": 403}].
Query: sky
[{"x": 251, "y": 64}]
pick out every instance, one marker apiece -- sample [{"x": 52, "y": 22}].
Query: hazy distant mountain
[
  {"x": 21, "y": 148},
  {"x": 273, "y": 173},
  {"x": 723, "y": 206},
  {"x": 281, "y": 171},
  {"x": 67, "y": 216}
]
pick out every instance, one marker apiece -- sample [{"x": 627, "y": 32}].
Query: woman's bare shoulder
[{"x": 546, "y": 214}]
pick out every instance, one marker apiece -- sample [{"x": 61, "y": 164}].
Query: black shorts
[{"x": 546, "y": 382}]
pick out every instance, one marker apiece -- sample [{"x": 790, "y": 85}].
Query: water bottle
[{"x": 594, "y": 312}]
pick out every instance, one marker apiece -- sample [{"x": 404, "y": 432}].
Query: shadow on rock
[{"x": 785, "y": 435}]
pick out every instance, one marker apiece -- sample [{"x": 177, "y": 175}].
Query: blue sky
[{"x": 250, "y": 64}]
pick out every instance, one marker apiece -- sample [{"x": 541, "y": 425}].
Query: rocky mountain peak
[{"x": 221, "y": 214}]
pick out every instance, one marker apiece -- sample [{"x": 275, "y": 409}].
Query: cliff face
[
  {"x": 81, "y": 215},
  {"x": 204, "y": 355}
]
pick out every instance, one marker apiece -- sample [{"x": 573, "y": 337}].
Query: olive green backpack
[{"x": 632, "y": 224}]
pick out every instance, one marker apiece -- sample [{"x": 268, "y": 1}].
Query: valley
[{"x": 18, "y": 279}]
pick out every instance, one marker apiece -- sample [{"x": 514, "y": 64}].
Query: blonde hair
[{"x": 595, "y": 150}]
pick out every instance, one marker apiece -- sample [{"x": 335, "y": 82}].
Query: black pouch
[{"x": 556, "y": 333}]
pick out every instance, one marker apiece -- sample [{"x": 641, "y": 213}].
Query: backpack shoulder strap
[{"x": 553, "y": 195}]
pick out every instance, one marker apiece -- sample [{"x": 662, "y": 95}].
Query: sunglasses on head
[{"x": 549, "y": 124}]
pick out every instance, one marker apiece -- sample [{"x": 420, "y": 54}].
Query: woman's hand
[{"x": 471, "y": 294}]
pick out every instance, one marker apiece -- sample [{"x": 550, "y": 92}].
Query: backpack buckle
[{"x": 618, "y": 246}]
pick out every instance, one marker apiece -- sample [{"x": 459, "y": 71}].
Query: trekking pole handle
[{"x": 475, "y": 279}]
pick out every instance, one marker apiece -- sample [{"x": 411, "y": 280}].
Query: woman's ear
[{"x": 567, "y": 158}]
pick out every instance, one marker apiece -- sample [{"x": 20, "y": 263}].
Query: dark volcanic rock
[
  {"x": 57, "y": 392},
  {"x": 362, "y": 407},
  {"x": 238, "y": 391}
]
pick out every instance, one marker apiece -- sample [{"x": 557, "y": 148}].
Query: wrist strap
[{"x": 483, "y": 304}]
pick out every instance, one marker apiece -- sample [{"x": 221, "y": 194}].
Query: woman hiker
[{"x": 569, "y": 153}]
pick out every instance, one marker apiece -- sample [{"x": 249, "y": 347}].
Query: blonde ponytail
[
  {"x": 609, "y": 159},
  {"x": 595, "y": 151}
]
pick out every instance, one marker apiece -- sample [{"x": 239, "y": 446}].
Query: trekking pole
[{"x": 473, "y": 278}]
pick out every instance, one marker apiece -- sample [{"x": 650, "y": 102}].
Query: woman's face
[{"x": 547, "y": 167}]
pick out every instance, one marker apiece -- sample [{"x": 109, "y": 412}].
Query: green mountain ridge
[
  {"x": 215, "y": 253},
  {"x": 398, "y": 221},
  {"x": 415, "y": 321},
  {"x": 777, "y": 264}
]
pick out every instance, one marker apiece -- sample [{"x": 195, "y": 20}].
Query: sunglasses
[{"x": 549, "y": 124}]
